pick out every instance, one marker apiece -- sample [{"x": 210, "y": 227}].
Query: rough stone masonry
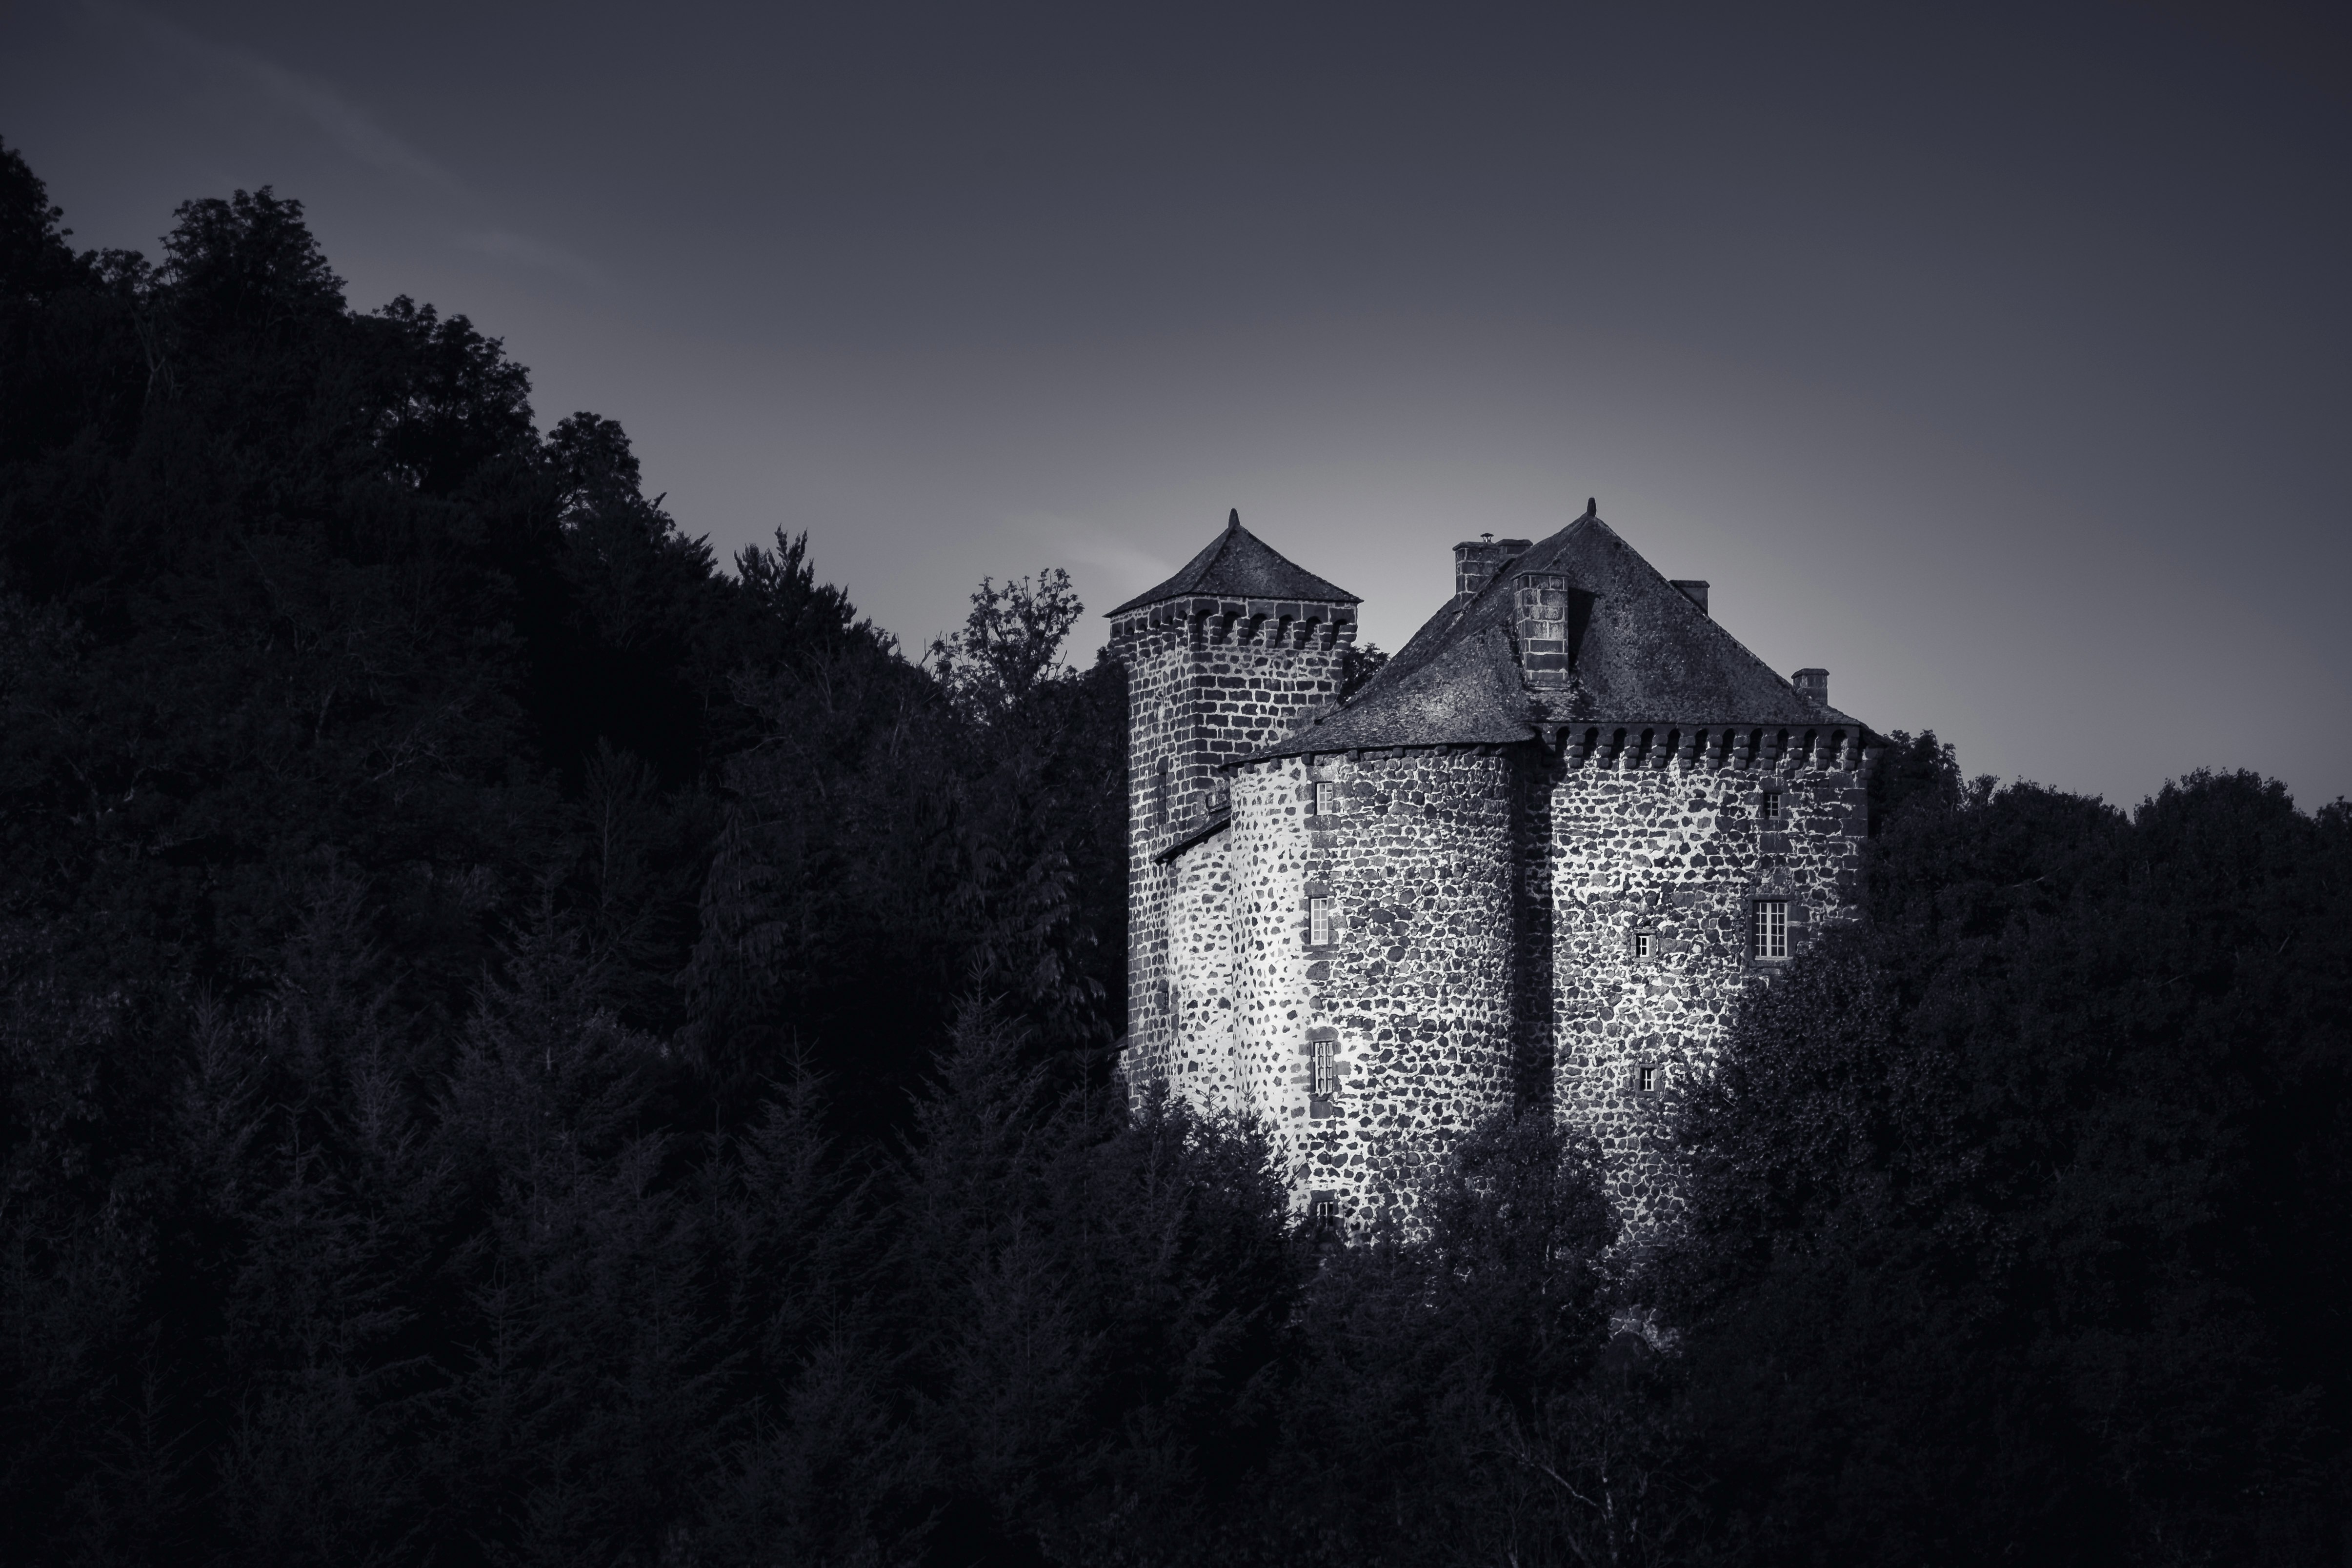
[{"x": 1535, "y": 859}]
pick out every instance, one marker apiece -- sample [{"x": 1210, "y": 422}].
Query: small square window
[
  {"x": 1769, "y": 808},
  {"x": 1326, "y": 799},
  {"x": 1327, "y": 1067},
  {"x": 1644, "y": 944},
  {"x": 1318, "y": 922},
  {"x": 1771, "y": 928}
]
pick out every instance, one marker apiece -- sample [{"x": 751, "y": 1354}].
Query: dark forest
[{"x": 522, "y": 1043}]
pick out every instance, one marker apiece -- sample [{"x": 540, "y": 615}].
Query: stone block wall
[
  {"x": 1209, "y": 680},
  {"x": 1656, "y": 831},
  {"x": 1414, "y": 987},
  {"x": 1540, "y": 922},
  {"x": 1203, "y": 1068}
]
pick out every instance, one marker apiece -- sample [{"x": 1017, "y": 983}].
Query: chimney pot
[{"x": 1813, "y": 685}]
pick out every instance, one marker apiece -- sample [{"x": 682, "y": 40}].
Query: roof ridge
[{"x": 1652, "y": 655}]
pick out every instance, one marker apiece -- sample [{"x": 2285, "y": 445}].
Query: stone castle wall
[
  {"x": 1659, "y": 832},
  {"x": 1488, "y": 909},
  {"x": 1209, "y": 681},
  {"x": 1204, "y": 1067},
  {"x": 1413, "y": 988}
]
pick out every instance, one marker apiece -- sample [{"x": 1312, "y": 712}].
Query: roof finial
[
  {"x": 1592, "y": 507},
  {"x": 1236, "y": 520}
]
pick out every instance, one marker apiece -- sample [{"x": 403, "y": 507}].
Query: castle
[{"x": 1536, "y": 857}]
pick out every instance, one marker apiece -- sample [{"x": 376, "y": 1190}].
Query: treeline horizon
[{"x": 520, "y": 1042}]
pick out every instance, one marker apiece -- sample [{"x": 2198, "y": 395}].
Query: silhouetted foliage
[
  {"x": 1914, "y": 771},
  {"x": 520, "y": 1045},
  {"x": 1458, "y": 1398},
  {"x": 2016, "y": 1220}
]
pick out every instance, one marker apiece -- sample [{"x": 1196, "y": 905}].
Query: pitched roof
[
  {"x": 1649, "y": 655},
  {"x": 1238, "y": 564}
]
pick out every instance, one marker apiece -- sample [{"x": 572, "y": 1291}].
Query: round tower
[
  {"x": 1223, "y": 660},
  {"x": 1374, "y": 901}
]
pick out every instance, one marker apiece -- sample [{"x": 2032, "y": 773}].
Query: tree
[
  {"x": 2009, "y": 1214},
  {"x": 1010, "y": 644},
  {"x": 1452, "y": 1400},
  {"x": 1358, "y": 666},
  {"x": 895, "y": 838},
  {"x": 1095, "y": 1306}
]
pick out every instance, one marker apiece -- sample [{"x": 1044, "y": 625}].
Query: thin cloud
[
  {"x": 1126, "y": 564},
  {"x": 505, "y": 244},
  {"x": 342, "y": 123}
]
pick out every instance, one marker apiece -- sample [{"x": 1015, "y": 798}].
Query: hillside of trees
[{"x": 520, "y": 1043}]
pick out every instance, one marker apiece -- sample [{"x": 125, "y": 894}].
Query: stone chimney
[
  {"x": 1813, "y": 685},
  {"x": 1693, "y": 589},
  {"x": 1540, "y": 615},
  {"x": 1478, "y": 561}
]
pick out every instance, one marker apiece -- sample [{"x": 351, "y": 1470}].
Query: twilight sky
[{"x": 1997, "y": 358}]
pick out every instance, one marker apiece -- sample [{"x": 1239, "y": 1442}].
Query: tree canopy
[{"x": 521, "y": 1042}]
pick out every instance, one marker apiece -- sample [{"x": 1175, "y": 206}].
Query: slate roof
[
  {"x": 1238, "y": 564},
  {"x": 1649, "y": 655}
]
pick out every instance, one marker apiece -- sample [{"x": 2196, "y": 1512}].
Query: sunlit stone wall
[
  {"x": 1570, "y": 923},
  {"x": 1664, "y": 838},
  {"x": 1209, "y": 681},
  {"x": 1412, "y": 988},
  {"x": 1203, "y": 1066}
]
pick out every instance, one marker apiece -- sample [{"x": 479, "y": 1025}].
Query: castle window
[
  {"x": 1645, "y": 944},
  {"x": 1654, "y": 1078},
  {"x": 1771, "y": 928},
  {"x": 1318, "y": 922},
  {"x": 1769, "y": 809},
  {"x": 1323, "y": 1213},
  {"x": 1326, "y": 797},
  {"x": 1160, "y": 794},
  {"x": 1327, "y": 1067}
]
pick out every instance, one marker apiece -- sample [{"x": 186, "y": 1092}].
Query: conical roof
[
  {"x": 1238, "y": 564},
  {"x": 1649, "y": 655}
]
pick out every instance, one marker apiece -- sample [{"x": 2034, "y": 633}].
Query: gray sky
[{"x": 1995, "y": 358}]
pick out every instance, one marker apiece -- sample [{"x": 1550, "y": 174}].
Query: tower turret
[{"x": 1223, "y": 660}]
